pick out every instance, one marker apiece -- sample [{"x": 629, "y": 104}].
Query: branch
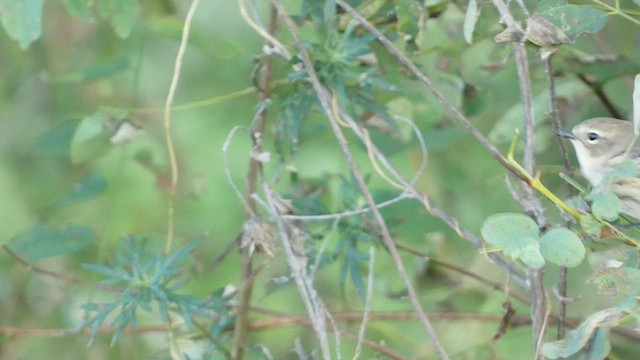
[
  {"x": 56, "y": 275},
  {"x": 527, "y": 199},
  {"x": 255, "y": 171},
  {"x": 337, "y": 131}
]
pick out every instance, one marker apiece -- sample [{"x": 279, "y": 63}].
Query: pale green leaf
[
  {"x": 89, "y": 187},
  {"x": 91, "y": 138},
  {"x": 581, "y": 336},
  {"x": 43, "y": 241},
  {"x": 562, "y": 247},
  {"x": 573, "y": 20},
  {"x": 590, "y": 224},
  {"x": 605, "y": 206},
  {"x": 22, "y": 20},
  {"x": 527, "y": 250},
  {"x": 503, "y": 229},
  {"x": 80, "y": 9},
  {"x": 122, "y": 14},
  {"x": 470, "y": 20}
]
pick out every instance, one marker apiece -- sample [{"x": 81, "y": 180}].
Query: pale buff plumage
[{"x": 601, "y": 144}]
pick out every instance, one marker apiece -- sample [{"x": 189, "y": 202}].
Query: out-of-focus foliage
[{"x": 85, "y": 175}]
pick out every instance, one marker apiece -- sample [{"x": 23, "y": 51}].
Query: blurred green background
[{"x": 80, "y": 68}]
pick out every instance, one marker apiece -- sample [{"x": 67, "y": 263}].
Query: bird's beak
[{"x": 566, "y": 134}]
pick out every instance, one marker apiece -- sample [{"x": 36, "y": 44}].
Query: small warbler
[{"x": 601, "y": 144}]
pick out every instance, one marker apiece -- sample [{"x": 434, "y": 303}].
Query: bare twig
[
  {"x": 254, "y": 172},
  {"x": 557, "y": 125},
  {"x": 374, "y": 345},
  {"x": 312, "y": 302},
  {"x": 227, "y": 169},
  {"x": 337, "y": 131},
  {"x": 530, "y": 203},
  {"x": 167, "y": 121},
  {"x": 398, "y": 55},
  {"x": 367, "y": 303},
  {"x": 56, "y": 275},
  {"x": 449, "y": 220},
  {"x": 494, "y": 285},
  {"x": 400, "y": 197},
  {"x": 600, "y": 94}
]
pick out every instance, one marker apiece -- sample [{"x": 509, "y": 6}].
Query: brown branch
[
  {"x": 374, "y": 345},
  {"x": 494, "y": 285},
  {"x": 255, "y": 170},
  {"x": 56, "y": 275},
  {"x": 527, "y": 199},
  {"x": 337, "y": 131},
  {"x": 600, "y": 94}
]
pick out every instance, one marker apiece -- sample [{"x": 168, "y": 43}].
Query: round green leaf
[
  {"x": 506, "y": 228},
  {"x": 605, "y": 206},
  {"x": 527, "y": 250},
  {"x": 562, "y": 247}
]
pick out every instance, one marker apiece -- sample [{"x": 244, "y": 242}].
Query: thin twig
[
  {"x": 367, "y": 303},
  {"x": 398, "y": 55},
  {"x": 337, "y": 131},
  {"x": 227, "y": 169},
  {"x": 56, "y": 275},
  {"x": 312, "y": 302},
  {"x": 494, "y": 285},
  {"x": 557, "y": 125},
  {"x": 447, "y": 219},
  {"x": 376, "y": 346},
  {"x": 600, "y": 94},
  {"x": 268, "y": 35},
  {"x": 340, "y": 215},
  {"x": 167, "y": 122},
  {"x": 254, "y": 172},
  {"x": 527, "y": 199}
]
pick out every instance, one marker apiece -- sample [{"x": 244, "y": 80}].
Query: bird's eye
[{"x": 592, "y": 136}]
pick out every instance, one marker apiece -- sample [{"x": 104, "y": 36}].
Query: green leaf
[
  {"x": 57, "y": 142},
  {"x": 562, "y": 247},
  {"x": 517, "y": 234},
  {"x": 43, "y": 241},
  {"x": 470, "y": 20},
  {"x": 105, "y": 69},
  {"x": 80, "y": 9},
  {"x": 613, "y": 281},
  {"x": 573, "y": 20},
  {"x": 22, "y": 20},
  {"x": 409, "y": 13},
  {"x": 590, "y": 224},
  {"x": 91, "y": 186},
  {"x": 599, "y": 346},
  {"x": 121, "y": 13},
  {"x": 605, "y": 206},
  {"x": 583, "y": 335},
  {"x": 502, "y": 229},
  {"x": 91, "y": 138},
  {"x": 527, "y": 250}
]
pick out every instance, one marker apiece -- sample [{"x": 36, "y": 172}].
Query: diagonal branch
[{"x": 335, "y": 127}]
